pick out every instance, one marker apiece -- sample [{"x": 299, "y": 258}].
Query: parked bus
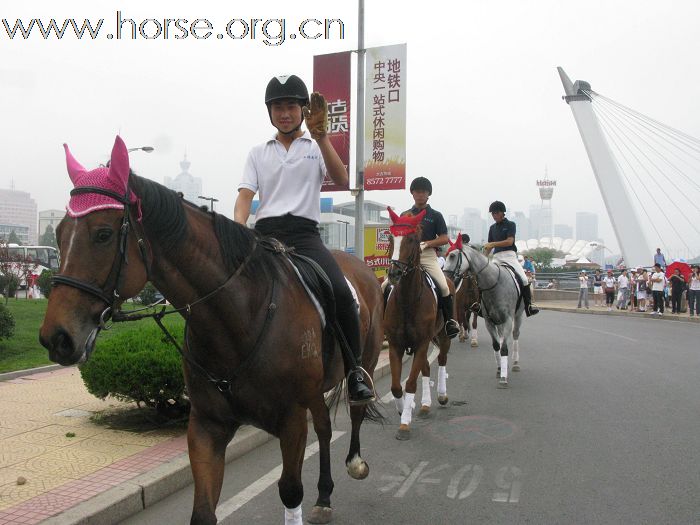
[{"x": 44, "y": 257}]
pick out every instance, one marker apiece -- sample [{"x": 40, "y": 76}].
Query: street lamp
[
  {"x": 211, "y": 200},
  {"x": 346, "y": 232}
]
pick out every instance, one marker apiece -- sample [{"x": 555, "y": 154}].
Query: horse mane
[{"x": 164, "y": 211}]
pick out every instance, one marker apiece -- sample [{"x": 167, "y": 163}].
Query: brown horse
[
  {"x": 411, "y": 322},
  {"x": 255, "y": 347},
  {"x": 467, "y": 298}
]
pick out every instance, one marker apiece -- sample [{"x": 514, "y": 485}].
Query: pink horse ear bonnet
[{"x": 114, "y": 178}]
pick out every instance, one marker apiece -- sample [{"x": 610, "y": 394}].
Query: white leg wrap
[
  {"x": 407, "y": 413},
  {"x": 442, "y": 380},
  {"x": 293, "y": 516},
  {"x": 516, "y": 353},
  {"x": 504, "y": 366},
  {"x": 425, "y": 400},
  {"x": 399, "y": 404},
  {"x": 474, "y": 334}
]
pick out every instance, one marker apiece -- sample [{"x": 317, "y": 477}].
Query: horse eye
[{"x": 103, "y": 235}]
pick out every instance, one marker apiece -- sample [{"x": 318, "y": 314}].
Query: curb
[
  {"x": 6, "y": 376},
  {"x": 143, "y": 491},
  {"x": 638, "y": 315}
]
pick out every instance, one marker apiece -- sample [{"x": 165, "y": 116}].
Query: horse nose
[{"x": 60, "y": 346}]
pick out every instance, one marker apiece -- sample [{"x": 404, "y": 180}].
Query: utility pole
[{"x": 358, "y": 191}]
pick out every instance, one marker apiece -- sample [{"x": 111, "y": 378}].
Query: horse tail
[
  {"x": 374, "y": 414},
  {"x": 335, "y": 396}
]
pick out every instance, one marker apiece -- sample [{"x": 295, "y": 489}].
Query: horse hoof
[
  {"x": 443, "y": 399},
  {"x": 474, "y": 343},
  {"x": 358, "y": 468},
  {"x": 320, "y": 515},
  {"x": 516, "y": 367},
  {"x": 424, "y": 411},
  {"x": 403, "y": 433},
  {"x": 503, "y": 382}
]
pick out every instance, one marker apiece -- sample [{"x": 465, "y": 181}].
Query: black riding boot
[
  {"x": 530, "y": 309},
  {"x": 451, "y": 326},
  {"x": 358, "y": 390}
]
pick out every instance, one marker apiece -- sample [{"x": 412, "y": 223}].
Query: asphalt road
[{"x": 602, "y": 425}]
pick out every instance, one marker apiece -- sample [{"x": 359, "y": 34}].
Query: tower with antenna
[{"x": 546, "y": 223}]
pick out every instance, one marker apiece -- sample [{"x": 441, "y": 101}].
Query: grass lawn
[{"x": 23, "y": 349}]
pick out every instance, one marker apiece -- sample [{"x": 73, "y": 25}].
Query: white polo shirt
[{"x": 286, "y": 181}]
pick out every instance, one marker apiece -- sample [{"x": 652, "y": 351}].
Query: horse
[
  {"x": 467, "y": 299},
  {"x": 411, "y": 322},
  {"x": 501, "y": 305},
  {"x": 255, "y": 346}
]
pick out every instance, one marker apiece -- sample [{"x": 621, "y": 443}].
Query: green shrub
[
  {"x": 148, "y": 295},
  {"x": 139, "y": 364},
  {"x": 44, "y": 282},
  {"x": 7, "y": 323},
  {"x": 9, "y": 284}
]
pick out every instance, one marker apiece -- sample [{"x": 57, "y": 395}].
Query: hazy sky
[{"x": 485, "y": 114}]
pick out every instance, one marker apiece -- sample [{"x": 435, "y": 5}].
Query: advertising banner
[
  {"x": 385, "y": 118},
  {"x": 332, "y": 80}
]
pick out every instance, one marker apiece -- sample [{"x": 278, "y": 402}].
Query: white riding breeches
[
  {"x": 429, "y": 261},
  {"x": 511, "y": 258}
]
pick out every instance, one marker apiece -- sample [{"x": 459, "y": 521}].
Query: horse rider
[
  {"x": 502, "y": 243},
  {"x": 434, "y": 235},
  {"x": 287, "y": 171}
]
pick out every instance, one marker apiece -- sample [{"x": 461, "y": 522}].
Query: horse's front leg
[
  {"x": 506, "y": 330},
  {"x": 396, "y": 364},
  {"x": 425, "y": 400},
  {"x": 473, "y": 332},
  {"x": 495, "y": 344},
  {"x": 420, "y": 357},
  {"x": 444, "y": 343},
  {"x": 292, "y": 444},
  {"x": 206, "y": 443},
  {"x": 322, "y": 512}
]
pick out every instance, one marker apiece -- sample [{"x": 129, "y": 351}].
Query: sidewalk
[
  {"x": 571, "y": 306},
  {"x": 76, "y": 471}
]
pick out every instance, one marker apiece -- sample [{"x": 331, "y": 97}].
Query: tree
[
  {"x": 13, "y": 239},
  {"x": 542, "y": 257},
  {"x": 48, "y": 238}
]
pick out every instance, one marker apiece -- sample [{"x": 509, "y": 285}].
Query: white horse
[{"x": 500, "y": 305}]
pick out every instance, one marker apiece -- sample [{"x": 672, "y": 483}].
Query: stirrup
[
  {"x": 369, "y": 383},
  {"x": 454, "y": 331}
]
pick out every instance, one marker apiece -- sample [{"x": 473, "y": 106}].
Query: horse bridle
[
  {"x": 459, "y": 264},
  {"x": 110, "y": 298}
]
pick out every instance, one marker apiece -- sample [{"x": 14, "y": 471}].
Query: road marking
[
  {"x": 433, "y": 355},
  {"x": 604, "y": 332},
  {"x": 231, "y": 505}
]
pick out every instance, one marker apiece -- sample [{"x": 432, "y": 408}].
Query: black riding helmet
[
  {"x": 421, "y": 183},
  {"x": 286, "y": 87},
  {"x": 497, "y": 206}
]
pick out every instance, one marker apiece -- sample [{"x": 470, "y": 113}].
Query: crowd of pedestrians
[{"x": 642, "y": 290}]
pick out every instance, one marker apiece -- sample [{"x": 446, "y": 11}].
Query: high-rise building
[
  {"x": 49, "y": 218},
  {"x": 586, "y": 226},
  {"x": 564, "y": 231},
  {"x": 18, "y": 213},
  {"x": 473, "y": 225},
  {"x": 535, "y": 216},
  {"x": 546, "y": 190},
  {"x": 189, "y": 186},
  {"x": 524, "y": 229}
]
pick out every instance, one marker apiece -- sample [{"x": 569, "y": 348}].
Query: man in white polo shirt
[
  {"x": 658, "y": 283},
  {"x": 286, "y": 172}
]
